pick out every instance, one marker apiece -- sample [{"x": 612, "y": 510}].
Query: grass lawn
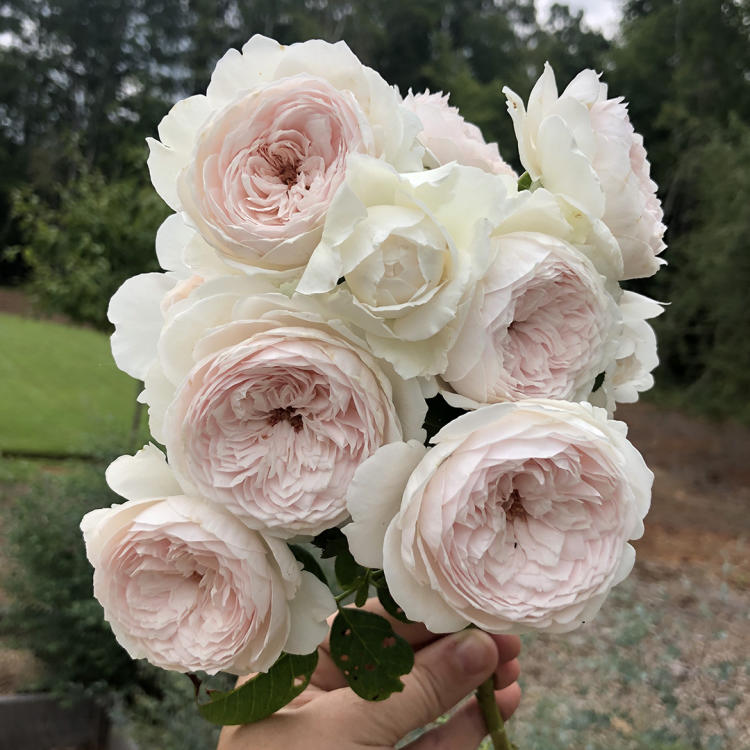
[{"x": 60, "y": 391}]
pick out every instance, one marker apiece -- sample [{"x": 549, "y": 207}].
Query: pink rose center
[
  {"x": 180, "y": 599},
  {"x": 267, "y": 167},
  {"x": 524, "y": 532},
  {"x": 277, "y": 425}
]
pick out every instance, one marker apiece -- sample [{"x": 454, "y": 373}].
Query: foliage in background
[
  {"x": 51, "y": 610},
  {"x": 684, "y": 66},
  {"x": 85, "y": 240},
  {"x": 704, "y": 334}
]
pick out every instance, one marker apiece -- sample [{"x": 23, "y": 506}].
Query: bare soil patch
[{"x": 700, "y": 510}]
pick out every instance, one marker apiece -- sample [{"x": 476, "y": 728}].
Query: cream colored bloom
[
  {"x": 582, "y": 146},
  {"x": 401, "y": 255},
  {"x": 189, "y": 587}
]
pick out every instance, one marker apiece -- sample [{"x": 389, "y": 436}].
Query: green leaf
[
  {"x": 331, "y": 543},
  {"x": 524, "y": 181},
  {"x": 370, "y": 655},
  {"x": 389, "y": 603},
  {"x": 264, "y": 694},
  {"x": 348, "y": 572},
  {"x": 309, "y": 563},
  {"x": 362, "y": 593}
]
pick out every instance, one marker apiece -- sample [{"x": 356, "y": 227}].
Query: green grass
[{"x": 60, "y": 390}]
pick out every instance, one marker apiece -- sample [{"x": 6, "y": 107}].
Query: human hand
[{"x": 328, "y": 714}]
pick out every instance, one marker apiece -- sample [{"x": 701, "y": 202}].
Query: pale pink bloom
[
  {"x": 582, "y": 146},
  {"x": 448, "y": 137},
  {"x": 542, "y": 324},
  {"x": 629, "y": 373},
  {"x": 255, "y": 162},
  {"x": 267, "y": 408},
  {"x": 517, "y": 519},
  {"x": 189, "y": 587}
]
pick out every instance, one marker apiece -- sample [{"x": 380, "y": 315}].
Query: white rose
[
  {"x": 542, "y": 324},
  {"x": 519, "y": 517},
  {"x": 630, "y": 371},
  {"x": 255, "y": 162},
  {"x": 139, "y": 308},
  {"x": 188, "y": 587},
  {"x": 410, "y": 249},
  {"x": 582, "y": 146}
]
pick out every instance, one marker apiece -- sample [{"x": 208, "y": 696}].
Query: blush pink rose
[
  {"x": 254, "y": 163},
  {"x": 582, "y": 146},
  {"x": 517, "y": 519},
  {"x": 448, "y": 137},
  {"x": 629, "y": 373},
  {"x": 188, "y": 587},
  {"x": 542, "y": 325},
  {"x": 274, "y": 408},
  {"x": 265, "y": 170}
]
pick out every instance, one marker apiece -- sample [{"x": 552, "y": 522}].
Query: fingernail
[{"x": 472, "y": 652}]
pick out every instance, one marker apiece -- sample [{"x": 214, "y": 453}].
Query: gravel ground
[{"x": 664, "y": 666}]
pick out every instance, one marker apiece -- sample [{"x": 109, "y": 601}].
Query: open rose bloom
[
  {"x": 340, "y": 264},
  {"x": 254, "y": 163},
  {"x": 189, "y": 587},
  {"x": 518, "y": 518}
]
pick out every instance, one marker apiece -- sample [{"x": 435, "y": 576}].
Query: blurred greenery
[
  {"x": 62, "y": 393},
  {"x": 67, "y": 242},
  {"x": 62, "y": 624}
]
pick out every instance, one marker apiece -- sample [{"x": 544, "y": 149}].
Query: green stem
[
  {"x": 492, "y": 718},
  {"x": 340, "y": 597}
]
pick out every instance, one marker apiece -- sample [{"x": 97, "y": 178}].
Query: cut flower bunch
[{"x": 374, "y": 342}]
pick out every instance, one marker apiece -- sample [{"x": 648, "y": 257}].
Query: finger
[
  {"x": 328, "y": 676},
  {"x": 466, "y": 728},
  {"x": 508, "y": 647},
  {"x": 444, "y": 672},
  {"x": 507, "y": 673}
]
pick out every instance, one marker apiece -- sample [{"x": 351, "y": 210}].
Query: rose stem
[{"x": 492, "y": 718}]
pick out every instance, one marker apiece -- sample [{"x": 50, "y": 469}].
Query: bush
[
  {"x": 83, "y": 241},
  {"x": 703, "y": 334},
  {"x": 52, "y": 610}
]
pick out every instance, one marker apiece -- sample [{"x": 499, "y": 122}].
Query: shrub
[{"x": 83, "y": 241}]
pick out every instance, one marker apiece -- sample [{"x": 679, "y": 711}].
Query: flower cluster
[{"x": 339, "y": 258}]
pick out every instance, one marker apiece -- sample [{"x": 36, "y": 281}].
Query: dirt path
[{"x": 700, "y": 511}]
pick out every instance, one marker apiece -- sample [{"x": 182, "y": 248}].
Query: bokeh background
[{"x": 82, "y": 83}]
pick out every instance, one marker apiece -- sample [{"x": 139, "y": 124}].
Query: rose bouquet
[{"x": 373, "y": 338}]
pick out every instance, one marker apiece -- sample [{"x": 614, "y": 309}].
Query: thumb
[{"x": 444, "y": 672}]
